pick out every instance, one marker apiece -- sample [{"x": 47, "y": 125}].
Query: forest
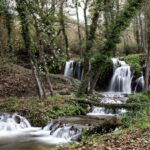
[{"x": 74, "y": 74}]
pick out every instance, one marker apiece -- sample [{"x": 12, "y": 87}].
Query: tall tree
[
  {"x": 78, "y": 23},
  {"x": 84, "y": 88},
  {"x": 63, "y": 27},
  {"x": 23, "y": 13},
  {"x": 147, "y": 72},
  {"x": 121, "y": 22}
]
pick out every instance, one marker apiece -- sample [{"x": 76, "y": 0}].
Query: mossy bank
[{"x": 39, "y": 113}]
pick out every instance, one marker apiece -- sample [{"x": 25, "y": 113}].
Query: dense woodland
[{"x": 39, "y": 36}]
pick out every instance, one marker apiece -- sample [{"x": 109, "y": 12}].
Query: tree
[
  {"x": 121, "y": 22},
  {"x": 63, "y": 28},
  {"x": 23, "y": 13},
  {"x": 147, "y": 71}
]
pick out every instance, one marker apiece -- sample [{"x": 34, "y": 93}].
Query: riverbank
[{"x": 134, "y": 133}]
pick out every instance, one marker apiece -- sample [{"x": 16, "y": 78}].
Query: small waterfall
[
  {"x": 109, "y": 98},
  {"x": 100, "y": 111},
  {"x": 66, "y": 131},
  {"x": 16, "y": 127},
  {"x": 122, "y": 77},
  {"x": 69, "y": 68},
  {"x": 73, "y": 69},
  {"x": 13, "y": 122},
  {"x": 139, "y": 84}
]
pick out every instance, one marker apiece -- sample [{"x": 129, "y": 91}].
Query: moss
[
  {"x": 137, "y": 62},
  {"x": 139, "y": 98},
  {"x": 139, "y": 118},
  {"x": 104, "y": 65},
  {"x": 39, "y": 113}
]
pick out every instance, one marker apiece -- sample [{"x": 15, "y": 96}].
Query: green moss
[
  {"x": 39, "y": 113},
  {"x": 139, "y": 98},
  {"x": 139, "y": 118},
  {"x": 136, "y": 61}
]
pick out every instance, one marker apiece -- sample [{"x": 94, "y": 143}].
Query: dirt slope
[{"x": 19, "y": 82}]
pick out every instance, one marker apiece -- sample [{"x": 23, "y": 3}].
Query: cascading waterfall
[
  {"x": 139, "y": 84},
  {"x": 73, "y": 69},
  {"x": 122, "y": 77},
  {"x": 13, "y": 126},
  {"x": 13, "y": 122},
  {"x": 109, "y": 98},
  {"x": 66, "y": 131},
  {"x": 69, "y": 68}
]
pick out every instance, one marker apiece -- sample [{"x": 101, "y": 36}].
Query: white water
[
  {"x": 109, "y": 98},
  {"x": 69, "y": 68},
  {"x": 100, "y": 111},
  {"x": 122, "y": 77},
  {"x": 139, "y": 82},
  {"x": 17, "y": 128}
]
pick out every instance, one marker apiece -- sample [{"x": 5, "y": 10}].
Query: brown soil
[{"x": 19, "y": 82}]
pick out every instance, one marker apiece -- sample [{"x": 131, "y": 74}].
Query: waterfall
[
  {"x": 122, "y": 77},
  {"x": 16, "y": 127},
  {"x": 101, "y": 111},
  {"x": 73, "y": 69},
  {"x": 109, "y": 98},
  {"x": 13, "y": 122},
  {"x": 69, "y": 68},
  {"x": 139, "y": 84}
]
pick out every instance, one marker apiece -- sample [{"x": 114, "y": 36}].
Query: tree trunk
[
  {"x": 9, "y": 30},
  {"x": 87, "y": 54},
  {"x": 42, "y": 56},
  {"x": 22, "y": 10},
  {"x": 79, "y": 32},
  {"x": 62, "y": 24},
  {"x": 147, "y": 73}
]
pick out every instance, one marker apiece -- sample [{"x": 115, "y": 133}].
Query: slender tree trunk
[
  {"x": 117, "y": 5},
  {"x": 62, "y": 23},
  {"x": 79, "y": 32},
  {"x": 8, "y": 18},
  {"x": 85, "y": 19},
  {"x": 87, "y": 54},
  {"x": 42, "y": 56},
  {"x": 137, "y": 33},
  {"x": 147, "y": 72},
  {"x": 21, "y": 8}
]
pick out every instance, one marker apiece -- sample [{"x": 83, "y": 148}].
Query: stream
[{"x": 16, "y": 133}]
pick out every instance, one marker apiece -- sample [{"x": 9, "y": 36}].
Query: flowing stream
[{"x": 17, "y": 133}]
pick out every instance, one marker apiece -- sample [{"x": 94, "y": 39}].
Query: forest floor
[
  {"x": 16, "y": 81},
  {"x": 18, "y": 94},
  {"x": 118, "y": 140}
]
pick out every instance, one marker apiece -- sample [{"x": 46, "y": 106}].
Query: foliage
[
  {"x": 103, "y": 65},
  {"x": 139, "y": 98},
  {"x": 137, "y": 119},
  {"x": 121, "y": 22},
  {"x": 136, "y": 61}
]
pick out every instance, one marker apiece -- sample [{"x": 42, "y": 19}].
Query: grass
[{"x": 38, "y": 112}]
